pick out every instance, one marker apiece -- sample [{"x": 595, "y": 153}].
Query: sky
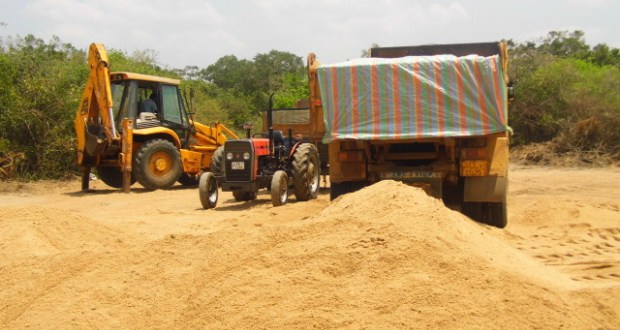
[{"x": 199, "y": 32}]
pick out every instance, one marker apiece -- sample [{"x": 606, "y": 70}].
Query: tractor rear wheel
[
  {"x": 279, "y": 188},
  {"x": 112, "y": 176},
  {"x": 157, "y": 164},
  {"x": 306, "y": 168},
  {"x": 244, "y": 196},
  {"x": 217, "y": 161},
  {"x": 207, "y": 190}
]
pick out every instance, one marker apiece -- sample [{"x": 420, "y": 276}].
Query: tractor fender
[{"x": 293, "y": 149}]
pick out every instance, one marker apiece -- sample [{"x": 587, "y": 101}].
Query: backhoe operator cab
[{"x": 131, "y": 94}]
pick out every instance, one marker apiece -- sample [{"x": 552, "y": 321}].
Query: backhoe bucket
[{"x": 95, "y": 140}]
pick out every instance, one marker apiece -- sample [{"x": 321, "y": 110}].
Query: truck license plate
[
  {"x": 237, "y": 166},
  {"x": 403, "y": 175}
]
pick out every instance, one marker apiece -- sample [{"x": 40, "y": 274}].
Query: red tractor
[{"x": 272, "y": 161}]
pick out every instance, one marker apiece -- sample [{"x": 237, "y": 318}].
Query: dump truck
[
  {"x": 134, "y": 127},
  {"x": 433, "y": 116}
]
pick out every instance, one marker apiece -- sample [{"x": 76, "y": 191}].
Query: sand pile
[
  {"x": 387, "y": 256},
  {"x": 37, "y": 231}
]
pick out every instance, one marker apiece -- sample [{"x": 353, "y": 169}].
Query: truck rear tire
[
  {"x": 157, "y": 164},
  {"x": 306, "y": 168},
  {"x": 207, "y": 190},
  {"x": 493, "y": 214},
  {"x": 473, "y": 210},
  {"x": 346, "y": 187},
  {"x": 279, "y": 188},
  {"x": 112, "y": 176}
]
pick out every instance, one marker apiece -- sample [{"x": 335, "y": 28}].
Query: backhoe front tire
[
  {"x": 306, "y": 170},
  {"x": 157, "y": 164}
]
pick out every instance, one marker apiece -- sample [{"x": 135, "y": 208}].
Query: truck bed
[{"x": 413, "y": 97}]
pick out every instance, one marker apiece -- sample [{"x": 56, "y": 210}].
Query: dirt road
[{"x": 387, "y": 256}]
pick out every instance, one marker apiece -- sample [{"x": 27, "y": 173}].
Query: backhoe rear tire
[
  {"x": 188, "y": 180},
  {"x": 306, "y": 170},
  {"x": 157, "y": 164},
  {"x": 112, "y": 176}
]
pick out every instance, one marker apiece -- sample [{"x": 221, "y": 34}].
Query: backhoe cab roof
[{"x": 116, "y": 76}]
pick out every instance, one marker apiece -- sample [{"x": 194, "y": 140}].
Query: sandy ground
[{"x": 387, "y": 256}]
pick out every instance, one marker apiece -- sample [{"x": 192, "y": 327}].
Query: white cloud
[
  {"x": 199, "y": 32},
  {"x": 588, "y": 3},
  {"x": 160, "y": 25}
]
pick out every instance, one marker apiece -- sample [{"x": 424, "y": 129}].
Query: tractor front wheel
[
  {"x": 279, "y": 188},
  {"x": 157, "y": 164},
  {"x": 207, "y": 190}
]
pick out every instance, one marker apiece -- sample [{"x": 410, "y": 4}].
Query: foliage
[
  {"x": 39, "y": 90},
  {"x": 294, "y": 88},
  {"x": 567, "y": 93},
  {"x": 244, "y": 86}
]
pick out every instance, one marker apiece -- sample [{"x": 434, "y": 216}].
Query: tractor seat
[{"x": 278, "y": 137}]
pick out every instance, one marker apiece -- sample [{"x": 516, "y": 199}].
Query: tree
[
  {"x": 366, "y": 52},
  {"x": 565, "y": 44},
  {"x": 231, "y": 73},
  {"x": 272, "y": 67},
  {"x": 601, "y": 54}
]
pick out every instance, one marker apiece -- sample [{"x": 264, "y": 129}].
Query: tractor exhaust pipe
[{"x": 270, "y": 124}]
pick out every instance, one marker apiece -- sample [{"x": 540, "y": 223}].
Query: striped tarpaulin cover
[{"x": 413, "y": 97}]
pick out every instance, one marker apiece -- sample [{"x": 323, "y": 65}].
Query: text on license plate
[
  {"x": 237, "y": 165},
  {"x": 403, "y": 175}
]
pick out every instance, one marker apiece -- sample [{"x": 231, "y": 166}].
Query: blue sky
[{"x": 198, "y": 32}]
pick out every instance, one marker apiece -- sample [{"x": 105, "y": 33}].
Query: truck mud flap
[{"x": 485, "y": 189}]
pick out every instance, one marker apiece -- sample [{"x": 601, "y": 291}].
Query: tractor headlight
[
  {"x": 246, "y": 155},
  {"x": 229, "y": 156}
]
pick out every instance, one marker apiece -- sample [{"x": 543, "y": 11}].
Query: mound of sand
[
  {"x": 36, "y": 231},
  {"x": 387, "y": 256}
]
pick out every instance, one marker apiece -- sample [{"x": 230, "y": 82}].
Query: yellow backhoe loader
[{"x": 134, "y": 127}]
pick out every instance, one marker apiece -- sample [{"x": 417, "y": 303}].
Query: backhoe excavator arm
[{"x": 94, "y": 120}]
